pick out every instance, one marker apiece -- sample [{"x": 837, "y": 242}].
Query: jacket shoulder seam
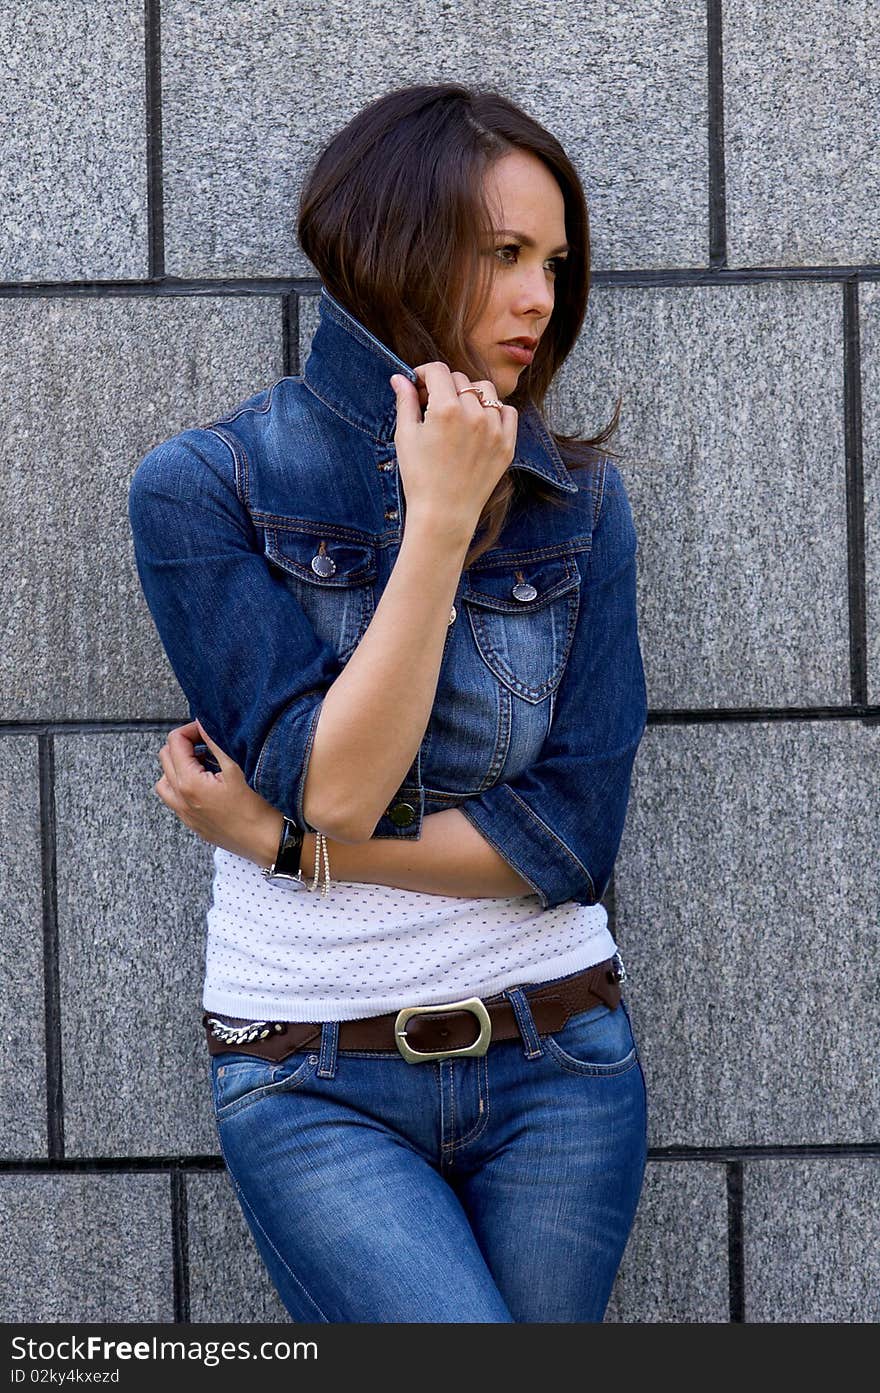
[
  {"x": 248, "y": 409},
  {"x": 600, "y": 499},
  {"x": 600, "y": 491},
  {"x": 241, "y": 464}
]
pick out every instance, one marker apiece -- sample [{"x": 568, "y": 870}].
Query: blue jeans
[{"x": 493, "y": 1188}]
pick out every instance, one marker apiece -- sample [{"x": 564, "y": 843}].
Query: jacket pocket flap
[
  {"x": 522, "y": 589},
  {"x": 323, "y": 561}
]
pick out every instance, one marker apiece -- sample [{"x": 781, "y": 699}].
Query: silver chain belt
[{"x": 244, "y": 1034}]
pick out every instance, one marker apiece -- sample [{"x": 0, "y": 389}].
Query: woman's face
[{"x": 528, "y": 215}]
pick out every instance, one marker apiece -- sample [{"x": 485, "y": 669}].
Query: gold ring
[
  {"x": 461, "y": 391},
  {"x": 491, "y": 402}
]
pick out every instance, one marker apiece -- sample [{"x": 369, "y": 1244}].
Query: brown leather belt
[{"x": 427, "y": 1032}]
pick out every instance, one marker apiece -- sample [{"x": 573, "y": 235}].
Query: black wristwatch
[{"x": 286, "y": 865}]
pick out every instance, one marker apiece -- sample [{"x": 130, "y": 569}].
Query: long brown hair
[{"x": 393, "y": 214}]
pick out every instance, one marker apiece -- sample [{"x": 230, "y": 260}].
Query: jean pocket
[
  {"x": 331, "y": 576},
  {"x": 598, "y": 1042},
  {"x": 239, "y": 1080},
  {"x": 523, "y": 622}
]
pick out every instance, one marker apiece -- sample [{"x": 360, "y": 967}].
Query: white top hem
[{"x": 595, "y": 949}]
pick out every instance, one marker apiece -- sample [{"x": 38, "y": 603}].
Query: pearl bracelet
[{"x": 321, "y": 849}]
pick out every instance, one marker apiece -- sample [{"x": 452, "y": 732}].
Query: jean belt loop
[
  {"x": 329, "y": 1047},
  {"x": 532, "y": 1047}
]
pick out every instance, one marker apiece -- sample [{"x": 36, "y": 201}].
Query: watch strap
[{"x": 286, "y": 865}]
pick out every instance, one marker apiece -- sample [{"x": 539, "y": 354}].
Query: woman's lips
[{"x": 519, "y": 352}]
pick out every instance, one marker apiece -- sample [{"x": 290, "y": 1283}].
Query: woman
[{"x": 409, "y": 642}]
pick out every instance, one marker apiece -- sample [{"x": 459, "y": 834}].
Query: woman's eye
[{"x": 555, "y": 262}]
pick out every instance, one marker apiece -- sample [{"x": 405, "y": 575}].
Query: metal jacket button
[
  {"x": 322, "y": 564},
  {"x": 452, "y": 613},
  {"x": 402, "y": 814},
  {"x": 523, "y": 590}
]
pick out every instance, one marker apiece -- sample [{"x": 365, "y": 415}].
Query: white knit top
[{"x": 276, "y": 949}]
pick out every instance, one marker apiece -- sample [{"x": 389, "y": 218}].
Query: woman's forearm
[
  {"x": 450, "y": 858},
  {"x": 373, "y": 717}
]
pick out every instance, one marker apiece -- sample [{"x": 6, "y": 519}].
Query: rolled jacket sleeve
[
  {"x": 249, "y": 662},
  {"x": 560, "y": 822}
]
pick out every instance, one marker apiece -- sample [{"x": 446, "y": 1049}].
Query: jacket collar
[{"x": 348, "y": 369}]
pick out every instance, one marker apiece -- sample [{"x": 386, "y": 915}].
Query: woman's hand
[
  {"x": 221, "y": 808},
  {"x": 451, "y": 459}
]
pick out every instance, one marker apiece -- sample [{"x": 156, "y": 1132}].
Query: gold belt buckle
[{"x": 473, "y": 1004}]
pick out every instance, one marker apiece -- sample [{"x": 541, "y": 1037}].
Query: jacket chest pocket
[
  {"x": 523, "y": 618},
  {"x": 333, "y": 581}
]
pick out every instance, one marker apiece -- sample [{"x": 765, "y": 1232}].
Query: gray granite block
[
  {"x": 228, "y": 1279},
  {"x": 810, "y": 1240},
  {"x": 133, "y": 891},
  {"x": 22, "y": 1057},
  {"x": 73, "y": 177},
  {"x": 675, "y": 1267},
  {"x": 869, "y": 305},
  {"x": 308, "y": 323},
  {"x": 86, "y": 1248},
  {"x": 624, "y": 91},
  {"x": 747, "y": 892},
  {"x": 731, "y": 445},
  {"x": 92, "y": 385},
  {"x": 801, "y": 96}
]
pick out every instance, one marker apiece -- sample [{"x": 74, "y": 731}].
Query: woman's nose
[{"x": 535, "y": 292}]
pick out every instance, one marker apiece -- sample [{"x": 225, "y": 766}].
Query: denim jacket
[{"x": 263, "y": 542}]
